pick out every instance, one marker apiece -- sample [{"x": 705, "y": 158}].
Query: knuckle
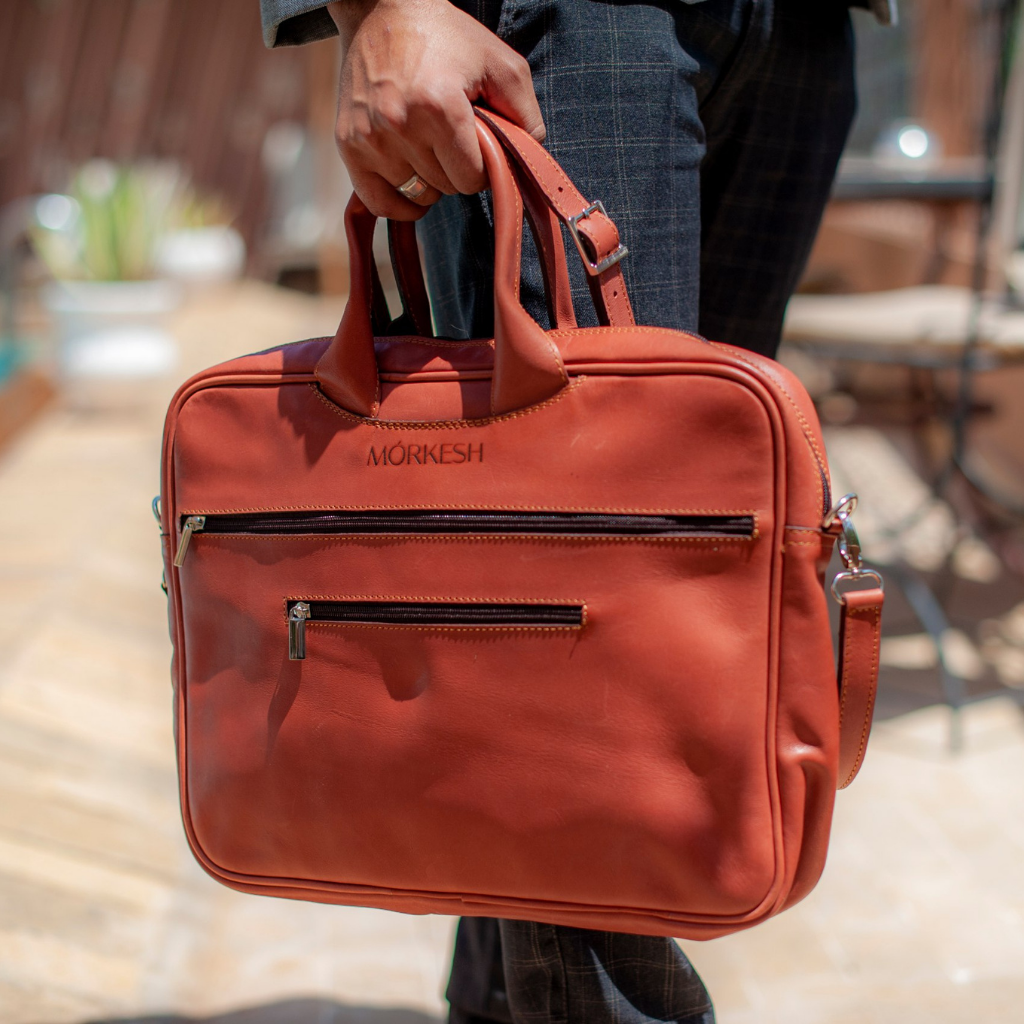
[
  {"x": 352, "y": 135},
  {"x": 428, "y": 98},
  {"x": 519, "y": 67},
  {"x": 391, "y": 112}
]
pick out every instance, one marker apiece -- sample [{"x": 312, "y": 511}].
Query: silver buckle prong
[{"x": 611, "y": 259}]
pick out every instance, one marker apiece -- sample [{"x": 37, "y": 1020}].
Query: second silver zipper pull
[{"x": 297, "y": 616}]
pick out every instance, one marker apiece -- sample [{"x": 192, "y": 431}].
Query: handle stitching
[
  {"x": 443, "y": 424},
  {"x": 876, "y": 613},
  {"x": 487, "y": 507}
]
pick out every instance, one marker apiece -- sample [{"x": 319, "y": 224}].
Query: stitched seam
[
  {"x": 436, "y": 342},
  {"x": 807, "y": 432},
  {"x": 782, "y": 387},
  {"x": 442, "y": 424},
  {"x": 629, "y": 330},
  {"x": 552, "y": 348},
  {"x": 865, "y": 728},
  {"x": 845, "y": 690},
  {"x": 519, "y": 234}
]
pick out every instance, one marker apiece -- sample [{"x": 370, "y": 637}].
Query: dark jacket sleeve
[{"x": 291, "y": 22}]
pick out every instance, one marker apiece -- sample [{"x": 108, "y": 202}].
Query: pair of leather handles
[{"x": 527, "y": 366}]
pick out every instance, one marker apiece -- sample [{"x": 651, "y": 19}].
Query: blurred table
[{"x": 954, "y": 180}]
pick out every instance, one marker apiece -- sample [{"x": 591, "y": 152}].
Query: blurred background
[{"x": 170, "y": 196}]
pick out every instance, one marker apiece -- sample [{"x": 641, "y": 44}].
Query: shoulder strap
[{"x": 860, "y": 634}]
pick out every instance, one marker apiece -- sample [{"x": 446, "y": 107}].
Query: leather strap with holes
[{"x": 599, "y": 231}]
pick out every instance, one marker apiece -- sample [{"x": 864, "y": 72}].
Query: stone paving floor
[{"x": 104, "y": 916}]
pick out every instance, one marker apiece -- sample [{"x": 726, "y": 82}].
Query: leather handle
[
  {"x": 598, "y": 231},
  {"x": 527, "y": 367},
  {"x": 549, "y": 197},
  {"x": 547, "y": 234},
  {"x": 546, "y": 231},
  {"x": 860, "y": 635},
  {"x": 405, "y": 259}
]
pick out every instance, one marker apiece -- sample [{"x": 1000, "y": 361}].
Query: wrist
[{"x": 347, "y": 14}]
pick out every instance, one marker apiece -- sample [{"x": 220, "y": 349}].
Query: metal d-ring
[
  {"x": 849, "y": 547},
  {"x": 855, "y": 574}
]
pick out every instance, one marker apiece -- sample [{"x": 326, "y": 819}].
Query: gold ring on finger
[{"x": 413, "y": 188}]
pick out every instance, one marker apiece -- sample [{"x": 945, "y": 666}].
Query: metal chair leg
[{"x": 930, "y": 614}]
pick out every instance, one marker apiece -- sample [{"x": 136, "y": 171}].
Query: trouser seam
[{"x": 750, "y": 50}]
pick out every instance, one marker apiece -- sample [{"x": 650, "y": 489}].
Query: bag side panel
[{"x": 808, "y": 740}]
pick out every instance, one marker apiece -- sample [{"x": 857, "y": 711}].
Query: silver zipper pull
[
  {"x": 193, "y": 524},
  {"x": 297, "y": 616}
]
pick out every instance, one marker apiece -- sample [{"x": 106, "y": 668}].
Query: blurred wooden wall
[
  {"x": 951, "y": 49},
  {"x": 185, "y": 79}
]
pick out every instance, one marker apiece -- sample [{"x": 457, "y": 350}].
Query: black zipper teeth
[
  {"x": 431, "y": 613},
  {"x": 474, "y": 522},
  {"x": 826, "y": 491}
]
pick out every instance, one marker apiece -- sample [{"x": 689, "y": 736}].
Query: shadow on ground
[{"x": 289, "y": 1011}]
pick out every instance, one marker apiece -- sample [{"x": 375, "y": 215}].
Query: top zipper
[{"x": 466, "y": 522}]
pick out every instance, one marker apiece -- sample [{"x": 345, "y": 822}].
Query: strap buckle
[
  {"x": 849, "y": 548},
  {"x": 611, "y": 259}
]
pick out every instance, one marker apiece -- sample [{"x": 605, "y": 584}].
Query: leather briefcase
[{"x": 528, "y": 627}]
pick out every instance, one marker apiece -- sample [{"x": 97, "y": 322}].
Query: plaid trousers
[{"x": 711, "y": 132}]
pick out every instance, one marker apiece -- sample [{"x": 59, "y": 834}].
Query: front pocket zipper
[
  {"x": 427, "y": 522},
  {"x": 426, "y": 613}
]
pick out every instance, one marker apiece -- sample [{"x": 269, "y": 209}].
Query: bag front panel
[
  {"x": 528, "y": 762},
  {"x": 624, "y": 761}
]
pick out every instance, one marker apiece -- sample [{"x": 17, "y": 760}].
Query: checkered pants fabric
[
  {"x": 519, "y": 972},
  {"x": 711, "y": 132}
]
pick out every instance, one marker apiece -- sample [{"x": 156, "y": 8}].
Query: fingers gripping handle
[{"x": 527, "y": 366}]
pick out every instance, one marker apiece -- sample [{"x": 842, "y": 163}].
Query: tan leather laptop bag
[{"x": 528, "y": 627}]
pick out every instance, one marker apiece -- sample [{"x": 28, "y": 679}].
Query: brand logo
[{"x": 402, "y": 454}]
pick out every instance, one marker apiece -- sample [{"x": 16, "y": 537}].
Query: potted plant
[{"x": 119, "y": 245}]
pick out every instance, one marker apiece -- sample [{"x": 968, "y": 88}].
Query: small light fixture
[
  {"x": 906, "y": 144},
  {"x": 913, "y": 141}
]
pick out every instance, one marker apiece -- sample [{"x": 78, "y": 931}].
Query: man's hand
[{"x": 410, "y": 72}]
